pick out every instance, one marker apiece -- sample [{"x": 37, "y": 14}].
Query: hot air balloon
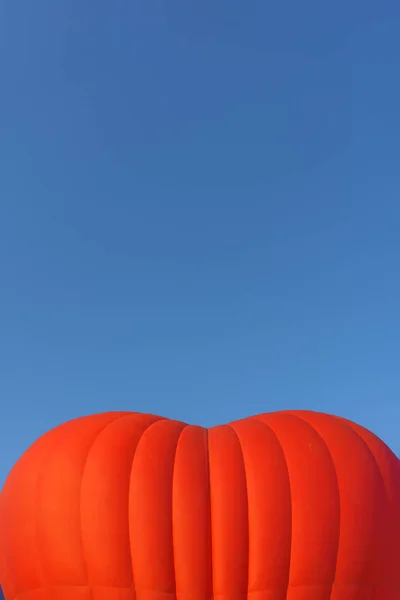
[{"x": 290, "y": 505}]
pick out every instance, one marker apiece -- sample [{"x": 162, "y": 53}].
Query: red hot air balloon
[{"x": 127, "y": 506}]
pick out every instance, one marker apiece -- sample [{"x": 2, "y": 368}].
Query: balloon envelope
[{"x": 282, "y": 506}]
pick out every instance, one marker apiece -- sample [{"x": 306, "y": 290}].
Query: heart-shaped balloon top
[{"x": 282, "y": 506}]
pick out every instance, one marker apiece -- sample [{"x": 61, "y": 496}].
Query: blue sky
[{"x": 199, "y": 211}]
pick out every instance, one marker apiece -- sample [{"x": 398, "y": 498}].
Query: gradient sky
[{"x": 199, "y": 211}]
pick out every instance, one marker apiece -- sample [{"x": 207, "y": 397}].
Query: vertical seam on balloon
[
  {"x": 247, "y": 503},
  {"x": 257, "y": 418},
  {"x": 319, "y": 434},
  {"x": 92, "y": 442},
  {"x": 210, "y": 536},
  {"x": 174, "y": 562}
]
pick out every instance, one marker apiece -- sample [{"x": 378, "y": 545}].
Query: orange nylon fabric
[{"x": 292, "y": 505}]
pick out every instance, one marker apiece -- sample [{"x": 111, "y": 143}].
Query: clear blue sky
[{"x": 199, "y": 211}]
